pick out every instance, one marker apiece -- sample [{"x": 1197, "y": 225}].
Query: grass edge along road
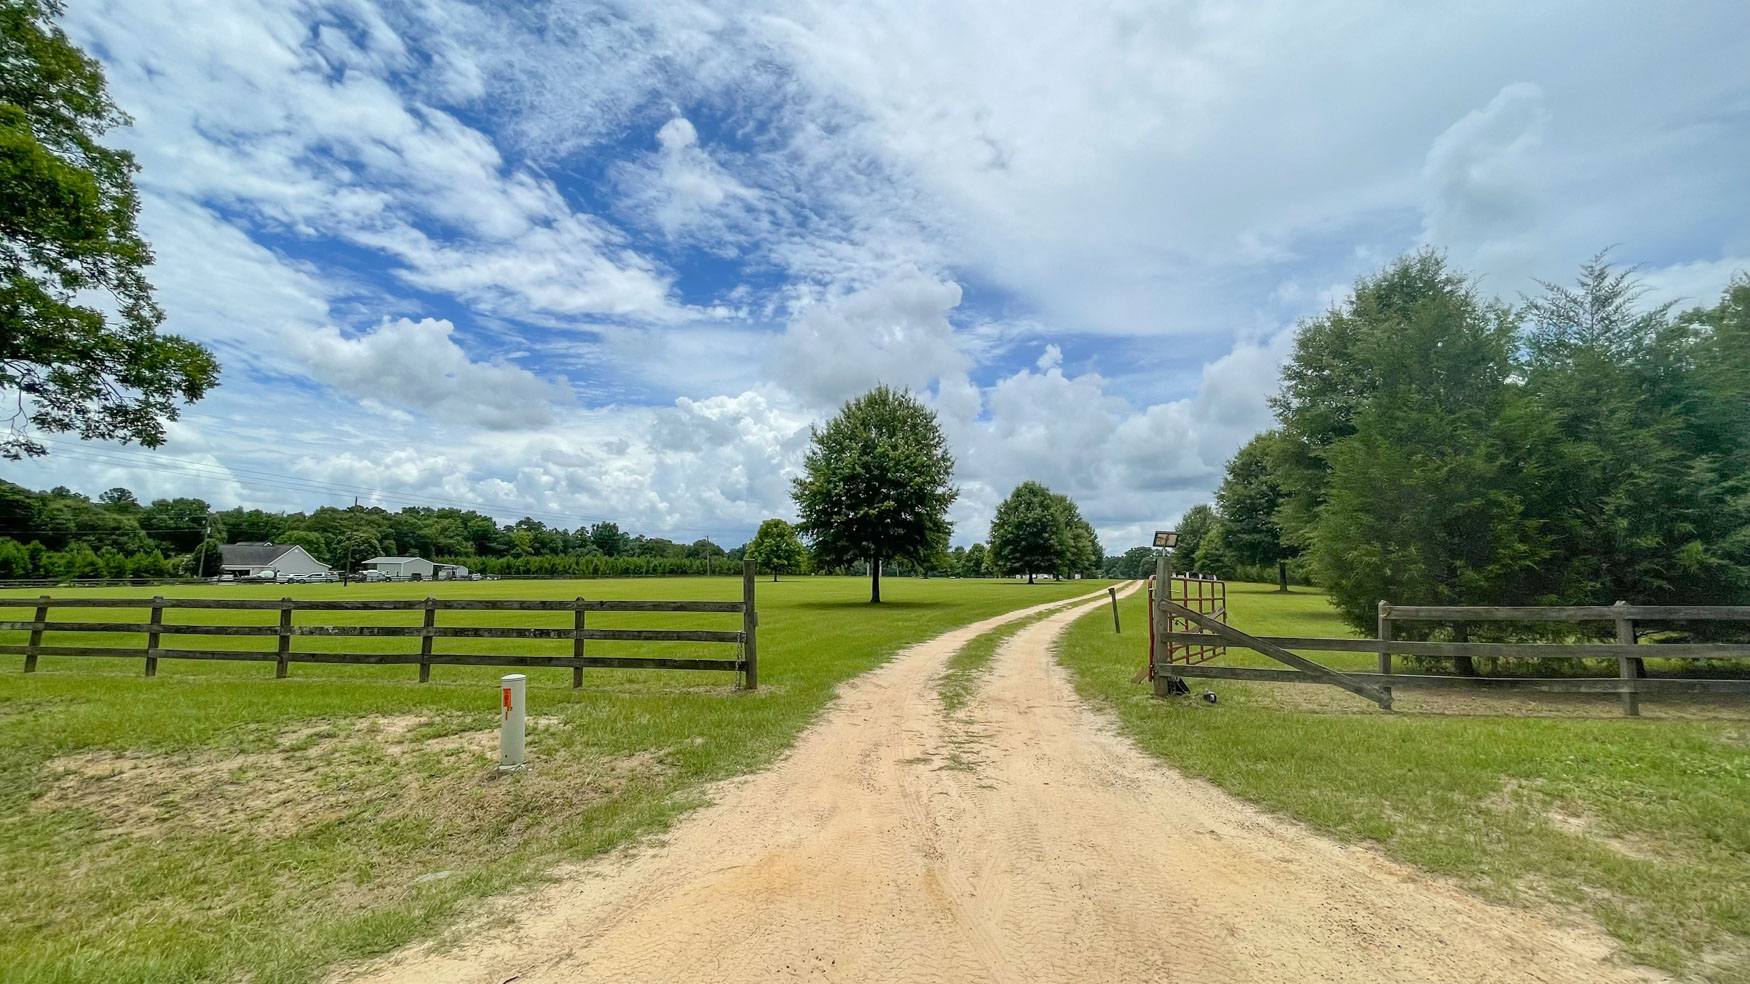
[
  {"x": 216, "y": 824},
  {"x": 1640, "y": 824},
  {"x": 967, "y": 666}
]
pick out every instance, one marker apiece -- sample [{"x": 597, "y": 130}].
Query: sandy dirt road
[{"x": 1022, "y": 840}]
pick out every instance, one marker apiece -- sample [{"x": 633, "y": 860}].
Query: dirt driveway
[{"x": 1021, "y": 841}]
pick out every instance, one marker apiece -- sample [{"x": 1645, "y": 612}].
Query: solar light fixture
[{"x": 1166, "y": 539}]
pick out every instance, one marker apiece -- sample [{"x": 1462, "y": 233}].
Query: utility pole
[{"x": 200, "y": 563}]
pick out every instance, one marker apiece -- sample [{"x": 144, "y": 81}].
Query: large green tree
[
  {"x": 608, "y": 539},
  {"x": 1249, "y": 499},
  {"x": 180, "y": 524},
  {"x": 1036, "y": 531},
  {"x": 1135, "y": 563},
  {"x": 775, "y": 548},
  {"x": 1194, "y": 528},
  {"x": 1420, "y": 503},
  {"x": 976, "y": 561},
  {"x": 877, "y": 484},
  {"x": 1027, "y": 536},
  {"x": 1338, "y": 365},
  {"x": 80, "y": 349},
  {"x": 1082, "y": 553},
  {"x": 1439, "y": 447},
  {"x": 1640, "y": 418}
]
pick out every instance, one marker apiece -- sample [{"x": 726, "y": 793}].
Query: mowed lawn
[
  {"x": 216, "y": 824},
  {"x": 1641, "y": 824}
]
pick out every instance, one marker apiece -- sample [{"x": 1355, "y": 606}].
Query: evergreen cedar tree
[
  {"x": 776, "y": 550},
  {"x": 1194, "y": 529},
  {"x": 67, "y": 210},
  {"x": 1439, "y": 447},
  {"x": 876, "y": 485},
  {"x": 1037, "y": 531},
  {"x": 1248, "y": 500}
]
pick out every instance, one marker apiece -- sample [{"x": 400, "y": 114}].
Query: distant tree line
[
  {"x": 61, "y": 533},
  {"x": 1438, "y": 447}
]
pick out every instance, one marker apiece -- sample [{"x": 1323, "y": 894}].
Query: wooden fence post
[
  {"x": 1163, "y": 676},
  {"x": 285, "y": 640},
  {"x": 1114, "y": 593},
  {"x": 36, "y": 633},
  {"x": 1384, "y": 637},
  {"x": 152, "y": 636},
  {"x": 1625, "y": 665},
  {"x": 750, "y": 621},
  {"x": 425, "y": 639},
  {"x": 577, "y": 644}
]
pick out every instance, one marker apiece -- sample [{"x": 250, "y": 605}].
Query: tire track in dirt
[{"x": 1063, "y": 854}]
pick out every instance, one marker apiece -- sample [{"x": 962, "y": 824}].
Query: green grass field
[
  {"x": 216, "y": 824},
  {"x": 1643, "y": 824}
]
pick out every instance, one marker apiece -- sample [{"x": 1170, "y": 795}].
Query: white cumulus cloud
[{"x": 418, "y": 366}]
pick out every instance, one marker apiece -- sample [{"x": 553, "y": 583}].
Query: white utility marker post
[{"x": 514, "y": 695}]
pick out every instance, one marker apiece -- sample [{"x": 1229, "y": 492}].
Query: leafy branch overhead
[{"x": 80, "y": 349}]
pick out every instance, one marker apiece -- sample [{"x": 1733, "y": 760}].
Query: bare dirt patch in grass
[
  {"x": 320, "y": 772},
  {"x": 1572, "y": 819}
]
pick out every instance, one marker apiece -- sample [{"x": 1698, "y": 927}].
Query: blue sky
[{"x": 609, "y": 261}]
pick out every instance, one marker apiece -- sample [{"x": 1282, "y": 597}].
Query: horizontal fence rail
[
  {"x": 1430, "y": 681},
  {"x": 1498, "y": 650},
  {"x": 1574, "y": 613},
  {"x": 1630, "y": 682},
  {"x": 156, "y": 628}
]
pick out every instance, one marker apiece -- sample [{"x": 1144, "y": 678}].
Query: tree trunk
[
  {"x": 1282, "y": 576},
  {"x": 774, "y": 575},
  {"x": 1029, "y": 577},
  {"x": 875, "y": 581}
]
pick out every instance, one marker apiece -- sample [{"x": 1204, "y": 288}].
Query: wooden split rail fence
[
  {"x": 1630, "y": 682},
  {"x": 745, "y": 663}
]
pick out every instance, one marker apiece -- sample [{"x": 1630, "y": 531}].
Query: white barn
[
  {"x": 403, "y": 568},
  {"x": 250, "y": 559}
]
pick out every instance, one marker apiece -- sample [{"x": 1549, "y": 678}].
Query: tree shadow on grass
[{"x": 867, "y": 606}]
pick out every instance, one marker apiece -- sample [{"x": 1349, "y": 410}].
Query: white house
[
  {"x": 452, "y": 572},
  {"x": 250, "y": 559},
  {"x": 403, "y": 568}
]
